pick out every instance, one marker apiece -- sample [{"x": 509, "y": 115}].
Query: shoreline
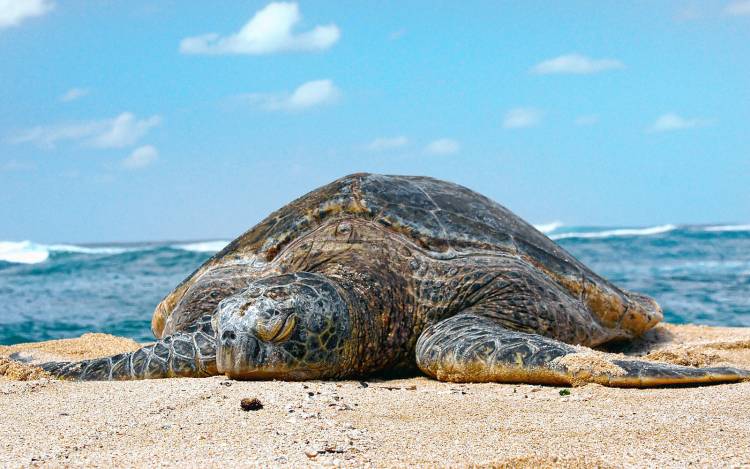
[{"x": 399, "y": 422}]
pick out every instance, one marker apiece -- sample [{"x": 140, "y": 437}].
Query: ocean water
[{"x": 699, "y": 274}]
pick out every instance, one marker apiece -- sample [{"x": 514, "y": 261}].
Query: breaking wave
[
  {"x": 650, "y": 231},
  {"x": 547, "y": 228},
  {"x": 22, "y": 252},
  {"x": 203, "y": 246},
  {"x": 722, "y": 228},
  {"x": 28, "y": 252}
]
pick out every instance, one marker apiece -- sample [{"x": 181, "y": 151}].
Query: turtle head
[{"x": 292, "y": 326}]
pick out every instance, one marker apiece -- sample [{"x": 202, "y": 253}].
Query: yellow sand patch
[
  {"x": 91, "y": 345},
  {"x": 684, "y": 356},
  {"x": 16, "y": 371},
  {"x": 586, "y": 366}
]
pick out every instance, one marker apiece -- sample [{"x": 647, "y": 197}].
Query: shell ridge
[{"x": 432, "y": 212}]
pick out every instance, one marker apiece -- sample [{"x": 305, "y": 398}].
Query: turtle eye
[
  {"x": 278, "y": 326},
  {"x": 286, "y": 329}
]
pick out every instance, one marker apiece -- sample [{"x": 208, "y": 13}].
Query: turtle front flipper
[
  {"x": 191, "y": 353},
  {"x": 473, "y": 348}
]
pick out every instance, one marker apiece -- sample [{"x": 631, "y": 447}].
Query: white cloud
[
  {"x": 738, "y": 8},
  {"x": 576, "y": 64},
  {"x": 443, "y": 146},
  {"x": 121, "y": 131},
  {"x": 14, "y": 12},
  {"x": 141, "y": 157},
  {"x": 387, "y": 143},
  {"x": 589, "y": 119},
  {"x": 73, "y": 94},
  {"x": 671, "y": 121},
  {"x": 48, "y": 136},
  {"x": 308, "y": 95},
  {"x": 124, "y": 130},
  {"x": 521, "y": 117},
  {"x": 267, "y": 32}
]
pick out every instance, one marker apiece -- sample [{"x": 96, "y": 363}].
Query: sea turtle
[{"x": 375, "y": 273}]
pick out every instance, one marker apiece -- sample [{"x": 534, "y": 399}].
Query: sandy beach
[{"x": 402, "y": 422}]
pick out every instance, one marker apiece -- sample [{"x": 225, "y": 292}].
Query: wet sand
[{"x": 200, "y": 422}]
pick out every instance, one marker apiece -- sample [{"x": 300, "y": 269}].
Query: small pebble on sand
[{"x": 251, "y": 404}]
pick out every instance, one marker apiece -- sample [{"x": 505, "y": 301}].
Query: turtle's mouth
[{"x": 249, "y": 358}]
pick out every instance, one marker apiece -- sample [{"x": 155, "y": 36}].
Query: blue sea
[{"x": 699, "y": 274}]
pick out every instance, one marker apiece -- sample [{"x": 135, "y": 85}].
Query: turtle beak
[{"x": 238, "y": 353}]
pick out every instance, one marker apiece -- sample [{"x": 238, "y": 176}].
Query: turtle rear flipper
[
  {"x": 473, "y": 348},
  {"x": 188, "y": 354}
]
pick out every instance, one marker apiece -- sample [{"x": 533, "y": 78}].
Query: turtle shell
[
  {"x": 447, "y": 220},
  {"x": 442, "y": 217}
]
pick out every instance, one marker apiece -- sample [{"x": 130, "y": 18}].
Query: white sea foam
[
  {"x": 28, "y": 252},
  {"x": 204, "y": 246},
  {"x": 720, "y": 228},
  {"x": 22, "y": 252},
  {"x": 549, "y": 227},
  {"x": 654, "y": 230},
  {"x": 86, "y": 250}
]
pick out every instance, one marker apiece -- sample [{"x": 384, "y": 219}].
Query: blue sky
[{"x": 123, "y": 121}]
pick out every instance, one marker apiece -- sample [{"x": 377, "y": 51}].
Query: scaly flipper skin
[
  {"x": 469, "y": 347},
  {"x": 191, "y": 353}
]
